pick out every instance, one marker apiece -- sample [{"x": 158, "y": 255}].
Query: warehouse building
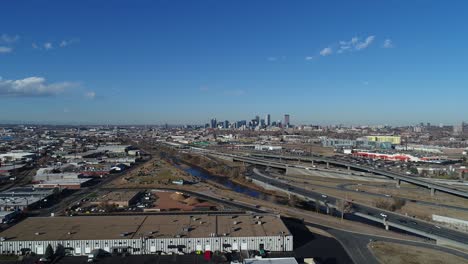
[
  {"x": 149, "y": 234},
  {"x": 395, "y": 140},
  {"x": 23, "y": 198},
  {"x": 118, "y": 198}
]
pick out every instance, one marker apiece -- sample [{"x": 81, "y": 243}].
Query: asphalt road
[
  {"x": 391, "y": 217},
  {"x": 346, "y": 187},
  {"x": 357, "y": 244},
  {"x": 392, "y": 175}
]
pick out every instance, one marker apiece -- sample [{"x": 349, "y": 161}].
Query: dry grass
[
  {"x": 391, "y": 253},
  {"x": 417, "y": 194},
  {"x": 420, "y": 211},
  {"x": 152, "y": 174}
]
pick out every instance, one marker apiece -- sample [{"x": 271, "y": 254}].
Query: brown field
[{"x": 391, "y": 253}]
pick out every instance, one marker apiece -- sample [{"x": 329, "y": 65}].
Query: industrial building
[
  {"x": 361, "y": 143},
  {"x": 17, "y": 157},
  {"x": 22, "y": 198},
  {"x": 118, "y": 198},
  {"x": 395, "y": 140},
  {"x": 148, "y": 234}
]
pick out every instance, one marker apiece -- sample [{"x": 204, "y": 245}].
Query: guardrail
[{"x": 392, "y": 175}]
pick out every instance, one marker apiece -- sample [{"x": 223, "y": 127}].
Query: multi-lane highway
[
  {"x": 258, "y": 159},
  {"x": 392, "y": 219},
  {"x": 392, "y": 175}
]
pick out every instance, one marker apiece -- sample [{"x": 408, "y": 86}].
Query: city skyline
[{"x": 350, "y": 63}]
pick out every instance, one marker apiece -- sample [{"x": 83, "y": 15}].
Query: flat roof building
[
  {"x": 395, "y": 140},
  {"x": 148, "y": 234},
  {"x": 21, "y": 198},
  {"x": 118, "y": 198}
]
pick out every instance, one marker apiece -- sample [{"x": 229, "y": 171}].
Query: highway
[
  {"x": 428, "y": 229},
  {"x": 392, "y": 175},
  {"x": 351, "y": 187}
]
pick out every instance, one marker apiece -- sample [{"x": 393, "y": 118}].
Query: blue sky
[{"x": 152, "y": 62}]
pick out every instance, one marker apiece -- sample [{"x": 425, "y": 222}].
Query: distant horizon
[
  {"x": 183, "y": 62},
  {"x": 64, "y": 123}
]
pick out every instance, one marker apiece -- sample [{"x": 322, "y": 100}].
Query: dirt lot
[
  {"x": 154, "y": 173},
  {"x": 391, "y": 253}
]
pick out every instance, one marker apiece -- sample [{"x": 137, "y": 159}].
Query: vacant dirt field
[{"x": 391, "y": 253}]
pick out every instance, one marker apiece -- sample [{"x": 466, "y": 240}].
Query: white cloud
[
  {"x": 4, "y": 38},
  {"x": 388, "y": 43},
  {"x": 90, "y": 95},
  {"x": 48, "y": 45},
  {"x": 52, "y": 45},
  {"x": 326, "y": 51},
  {"x": 308, "y": 58},
  {"x": 354, "y": 44},
  {"x": 365, "y": 44},
  {"x": 5, "y": 49},
  {"x": 32, "y": 87},
  {"x": 66, "y": 43}
]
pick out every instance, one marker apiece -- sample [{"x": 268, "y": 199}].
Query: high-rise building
[
  {"x": 286, "y": 120},
  {"x": 213, "y": 123},
  {"x": 459, "y": 129},
  {"x": 268, "y": 120}
]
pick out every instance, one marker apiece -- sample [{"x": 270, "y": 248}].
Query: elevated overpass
[
  {"x": 392, "y": 175},
  {"x": 443, "y": 236}
]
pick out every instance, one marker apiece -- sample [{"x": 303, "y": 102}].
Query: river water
[{"x": 223, "y": 181}]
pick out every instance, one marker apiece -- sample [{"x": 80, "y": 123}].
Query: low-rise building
[
  {"x": 118, "y": 198},
  {"x": 148, "y": 234},
  {"x": 22, "y": 198}
]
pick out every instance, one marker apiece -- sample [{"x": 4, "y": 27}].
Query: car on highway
[
  {"x": 383, "y": 215},
  {"x": 324, "y": 196}
]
